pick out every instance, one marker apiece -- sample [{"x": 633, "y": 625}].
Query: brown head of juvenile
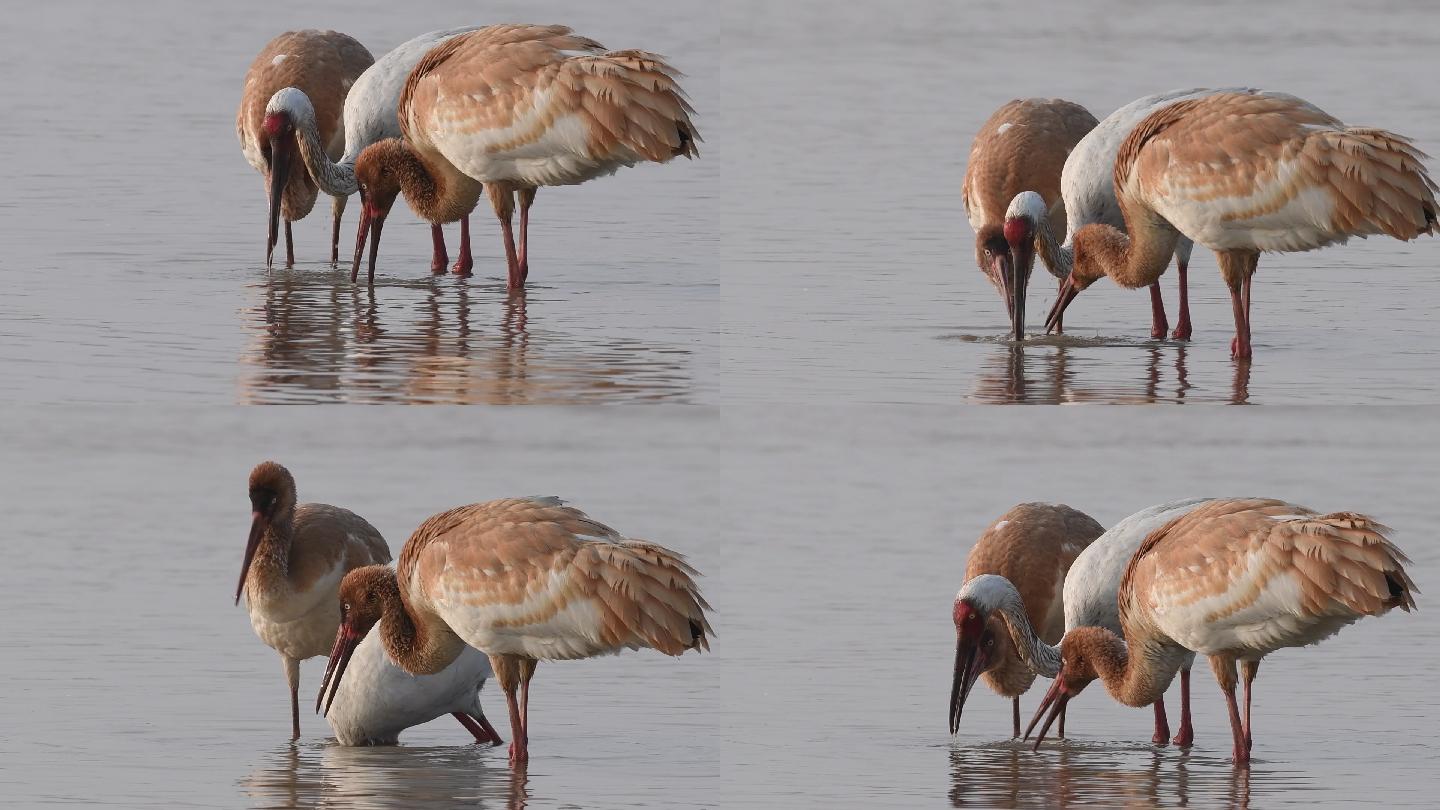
[
  {"x": 379, "y": 173},
  {"x": 366, "y": 594},
  {"x": 272, "y": 502},
  {"x": 1085, "y": 652},
  {"x": 1097, "y": 246}
]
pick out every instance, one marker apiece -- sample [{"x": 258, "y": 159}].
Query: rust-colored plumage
[
  {"x": 516, "y": 107},
  {"x": 1021, "y": 147},
  {"x": 322, "y": 64},
  {"x": 523, "y": 579},
  {"x": 1031, "y": 548},
  {"x": 1243, "y": 173},
  {"x": 294, "y": 560},
  {"x": 1234, "y": 579}
]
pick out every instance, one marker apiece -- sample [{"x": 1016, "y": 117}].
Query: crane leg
[
  {"x": 1186, "y": 735},
  {"x": 464, "y": 262},
  {"x": 1015, "y": 716},
  {"x": 504, "y": 202},
  {"x": 1159, "y": 324},
  {"x": 292, "y": 676},
  {"x": 1224, "y": 668},
  {"x": 479, "y": 727},
  {"x": 1162, "y": 725},
  {"x": 337, "y": 210},
  {"x": 507, "y": 672},
  {"x": 438, "y": 256},
  {"x": 289, "y": 247},
  {"x": 1182, "y": 329},
  {"x": 1247, "y": 672},
  {"x": 527, "y": 198}
]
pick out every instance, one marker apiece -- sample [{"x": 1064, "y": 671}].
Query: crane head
[{"x": 974, "y": 654}]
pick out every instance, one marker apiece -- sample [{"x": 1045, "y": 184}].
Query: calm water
[
  {"x": 832, "y": 543},
  {"x": 852, "y": 275},
  {"x": 817, "y": 249},
  {"x": 134, "y": 234}
]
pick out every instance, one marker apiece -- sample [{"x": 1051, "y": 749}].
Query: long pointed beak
[
  {"x": 279, "y": 176},
  {"x": 1001, "y": 268},
  {"x": 1068, "y": 291},
  {"x": 968, "y": 665},
  {"x": 1021, "y": 262},
  {"x": 346, "y": 640},
  {"x": 1054, "y": 701},
  {"x": 257, "y": 530},
  {"x": 369, "y": 220}
]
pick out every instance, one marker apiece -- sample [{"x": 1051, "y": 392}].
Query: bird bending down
[
  {"x": 1087, "y": 192},
  {"x": 369, "y": 116},
  {"x": 1242, "y": 173},
  {"x": 525, "y": 580},
  {"x": 516, "y": 107},
  {"x": 379, "y": 699},
  {"x": 1090, "y": 588},
  {"x": 1031, "y": 547},
  {"x": 1234, "y": 579},
  {"x": 323, "y": 65},
  {"x": 1020, "y": 148}
]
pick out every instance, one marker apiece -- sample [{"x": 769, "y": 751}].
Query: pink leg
[
  {"x": 289, "y": 246},
  {"x": 1162, "y": 725},
  {"x": 464, "y": 263},
  {"x": 480, "y": 728},
  {"x": 516, "y": 282},
  {"x": 527, "y": 197},
  {"x": 1242, "y": 750},
  {"x": 1182, "y": 329},
  {"x": 1186, "y": 736},
  {"x": 519, "y": 754},
  {"x": 1247, "y": 671},
  {"x": 439, "y": 257},
  {"x": 1159, "y": 324}
]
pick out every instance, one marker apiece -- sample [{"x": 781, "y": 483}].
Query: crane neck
[
  {"x": 335, "y": 179},
  {"x": 434, "y": 188},
  {"x": 1137, "y": 669},
  {"x": 999, "y": 594},
  {"x": 1058, "y": 259},
  {"x": 1132, "y": 260},
  {"x": 419, "y": 641}
]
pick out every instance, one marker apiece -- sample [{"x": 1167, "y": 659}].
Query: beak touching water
[
  {"x": 1022, "y": 260},
  {"x": 280, "y": 151},
  {"x": 258, "y": 525},
  {"x": 371, "y": 219},
  {"x": 1054, "y": 701},
  {"x": 1068, "y": 291},
  {"x": 347, "y": 638},
  {"x": 970, "y": 661}
]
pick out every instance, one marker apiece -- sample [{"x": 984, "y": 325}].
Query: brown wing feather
[{"x": 506, "y": 551}]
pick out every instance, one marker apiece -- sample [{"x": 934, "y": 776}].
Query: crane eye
[{"x": 344, "y": 607}]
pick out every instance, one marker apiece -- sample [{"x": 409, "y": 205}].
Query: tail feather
[
  {"x": 1379, "y": 178},
  {"x": 647, "y": 595},
  {"x": 635, "y": 104},
  {"x": 1348, "y": 558}
]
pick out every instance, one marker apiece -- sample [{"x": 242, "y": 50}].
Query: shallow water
[
  {"x": 832, "y": 542},
  {"x": 135, "y": 230},
  {"x": 852, "y": 272},
  {"x": 818, "y": 248}
]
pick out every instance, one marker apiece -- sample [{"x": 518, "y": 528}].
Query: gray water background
[
  {"x": 832, "y": 544},
  {"x": 818, "y": 249}
]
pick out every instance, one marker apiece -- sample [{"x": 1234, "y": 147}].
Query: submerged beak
[
  {"x": 279, "y": 176},
  {"x": 969, "y": 663},
  {"x": 1022, "y": 260},
  {"x": 369, "y": 219},
  {"x": 1055, "y": 701},
  {"x": 1068, "y": 291},
  {"x": 347, "y": 638},
  {"x": 257, "y": 530},
  {"x": 1002, "y": 273}
]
